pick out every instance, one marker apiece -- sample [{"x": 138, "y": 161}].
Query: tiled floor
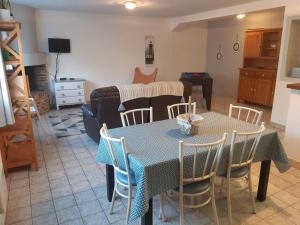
[{"x": 69, "y": 189}]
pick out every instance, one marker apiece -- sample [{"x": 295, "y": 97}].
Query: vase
[{"x": 5, "y": 15}]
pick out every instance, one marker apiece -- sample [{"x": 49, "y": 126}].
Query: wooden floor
[{"x": 69, "y": 189}]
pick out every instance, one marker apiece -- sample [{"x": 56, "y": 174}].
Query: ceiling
[{"x": 148, "y": 8}]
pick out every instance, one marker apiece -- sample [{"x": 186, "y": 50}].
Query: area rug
[{"x": 67, "y": 124}]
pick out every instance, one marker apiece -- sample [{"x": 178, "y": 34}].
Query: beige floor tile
[
  {"x": 286, "y": 197},
  {"x": 279, "y": 218},
  {"x": 18, "y": 215},
  {"x": 68, "y": 166},
  {"x": 40, "y": 197}
]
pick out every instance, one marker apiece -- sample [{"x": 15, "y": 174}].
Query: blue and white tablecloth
[{"x": 154, "y": 147}]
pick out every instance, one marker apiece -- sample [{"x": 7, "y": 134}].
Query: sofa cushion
[
  {"x": 160, "y": 103},
  {"x": 99, "y": 93}
]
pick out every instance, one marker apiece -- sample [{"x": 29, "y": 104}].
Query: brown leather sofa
[{"x": 104, "y": 104}]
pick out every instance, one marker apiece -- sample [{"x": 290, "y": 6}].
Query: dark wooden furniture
[
  {"x": 258, "y": 76},
  {"x": 205, "y": 81},
  {"x": 294, "y": 86}
]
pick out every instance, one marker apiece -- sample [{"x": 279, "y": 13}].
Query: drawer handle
[
  {"x": 64, "y": 101},
  {"x": 263, "y": 75},
  {"x": 63, "y": 94},
  {"x": 78, "y": 86},
  {"x": 79, "y": 100},
  {"x": 79, "y": 92},
  {"x": 62, "y": 87}
]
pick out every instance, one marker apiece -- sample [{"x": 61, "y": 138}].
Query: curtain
[{"x": 6, "y": 110}]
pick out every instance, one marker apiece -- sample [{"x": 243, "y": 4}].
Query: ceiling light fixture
[
  {"x": 241, "y": 16},
  {"x": 130, "y": 4}
]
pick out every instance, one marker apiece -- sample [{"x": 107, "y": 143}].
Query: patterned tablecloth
[{"x": 154, "y": 153}]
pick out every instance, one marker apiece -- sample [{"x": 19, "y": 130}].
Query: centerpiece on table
[{"x": 189, "y": 123}]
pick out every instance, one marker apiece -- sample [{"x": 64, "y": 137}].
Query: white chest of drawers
[{"x": 69, "y": 92}]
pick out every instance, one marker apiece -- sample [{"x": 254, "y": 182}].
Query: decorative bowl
[{"x": 189, "y": 127}]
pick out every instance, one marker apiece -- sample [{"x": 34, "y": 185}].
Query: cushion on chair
[
  {"x": 237, "y": 173},
  {"x": 122, "y": 178},
  {"x": 196, "y": 187}
]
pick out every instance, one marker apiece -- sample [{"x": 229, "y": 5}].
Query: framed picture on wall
[{"x": 149, "y": 50}]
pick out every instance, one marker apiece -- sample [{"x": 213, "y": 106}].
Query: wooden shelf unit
[
  {"x": 258, "y": 75},
  {"x": 17, "y": 142}
]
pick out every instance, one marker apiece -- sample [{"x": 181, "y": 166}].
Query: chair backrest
[
  {"x": 204, "y": 158},
  {"x": 244, "y": 113},
  {"x": 137, "y": 116},
  {"x": 111, "y": 144},
  {"x": 141, "y": 78},
  {"x": 176, "y": 109},
  {"x": 242, "y": 153}
]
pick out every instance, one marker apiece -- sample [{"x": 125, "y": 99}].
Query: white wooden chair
[
  {"x": 137, "y": 116},
  {"x": 252, "y": 115},
  {"x": 240, "y": 160},
  {"x": 176, "y": 109},
  {"x": 205, "y": 159},
  {"x": 124, "y": 178}
]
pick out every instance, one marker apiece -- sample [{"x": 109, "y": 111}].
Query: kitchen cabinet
[
  {"x": 258, "y": 76},
  {"x": 253, "y": 44},
  {"x": 256, "y": 86}
]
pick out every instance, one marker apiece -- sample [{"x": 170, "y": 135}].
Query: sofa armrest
[
  {"x": 87, "y": 110},
  {"x": 91, "y": 123}
]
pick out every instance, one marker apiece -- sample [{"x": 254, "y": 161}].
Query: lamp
[
  {"x": 241, "y": 16},
  {"x": 130, "y": 4}
]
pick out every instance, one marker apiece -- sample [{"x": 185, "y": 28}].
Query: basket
[{"x": 186, "y": 127}]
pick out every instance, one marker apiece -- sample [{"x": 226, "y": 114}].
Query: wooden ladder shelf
[{"x": 17, "y": 142}]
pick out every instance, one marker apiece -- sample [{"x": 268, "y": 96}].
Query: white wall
[
  {"x": 292, "y": 8},
  {"x": 282, "y": 94},
  {"x": 106, "y": 49},
  {"x": 225, "y": 32},
  {"x": 189, "y": 49},
  {"x": 26, "y": 15},
  {"x": 292, "y": 133}
]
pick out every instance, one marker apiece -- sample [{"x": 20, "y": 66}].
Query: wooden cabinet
[
  {"x": 264, "y": 43},
  {"x": 253, "y": 44},
  {"x": 246, "y": 85},
  {"x": 257, "y": 86},
  {"x": 258, "y": 77}
]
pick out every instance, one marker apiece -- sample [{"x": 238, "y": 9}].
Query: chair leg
[
  {"x": 250, "y": 191},
  {"x": 113, "y": 200},
  {"x": 229, "y": 202},
  {"x": 161, "y": 210},
  {"x": 181, "y": 208},
  {"x": 222, "y": 185},
  {"x": 213, "y": 201},
  {"x": 128, "y": 205},
  {"x": 192, "y": 200}
]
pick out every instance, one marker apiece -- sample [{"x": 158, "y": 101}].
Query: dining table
[{"x": 153, "y": 153}]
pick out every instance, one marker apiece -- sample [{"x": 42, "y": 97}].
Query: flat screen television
[{"x": 59, "y": 45}]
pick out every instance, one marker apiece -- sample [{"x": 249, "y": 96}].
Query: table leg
[
  {"x": 207, "y": 92},
  {"x": 110, "y": 182},
  {"x": 263, "y": 180},
  {"x": 147, "y": 219}
]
